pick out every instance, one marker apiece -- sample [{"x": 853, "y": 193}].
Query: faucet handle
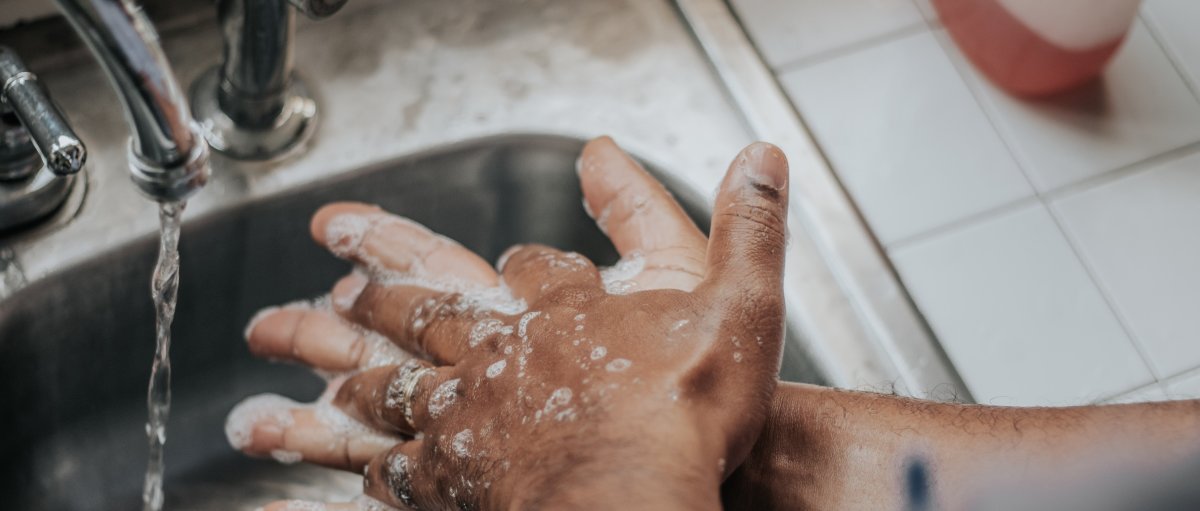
[
  {"x": 48, "y": 131},
  {"x": 317, "y": 9}
]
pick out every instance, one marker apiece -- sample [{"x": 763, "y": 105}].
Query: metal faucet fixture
[
  {"x": 252, "y": 106},
  {"x": 168, "y": 157},
  {"x": 39, "y": 152}
]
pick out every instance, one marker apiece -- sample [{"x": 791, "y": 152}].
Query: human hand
[{"x": 579, "y": 396}]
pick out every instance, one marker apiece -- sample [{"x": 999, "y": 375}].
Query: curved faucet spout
[{"x": 168, "y": 156}]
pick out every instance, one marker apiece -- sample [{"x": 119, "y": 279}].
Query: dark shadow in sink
[{"x": 75, "y": 348}]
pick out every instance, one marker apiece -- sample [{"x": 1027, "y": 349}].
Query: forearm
[{"x": 832, "y": 449}]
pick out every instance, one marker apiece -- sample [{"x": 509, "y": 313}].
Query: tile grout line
[
  {"x": 1044, "y": 198},
  {"x": 986, "y": 107},
  {"x": 1105, "y": 292},
  {"x": 850, "y": 48},
  {"x": 1004, "y": 141},
  {"x": 1180, "y": 376},
  {"x": 1132, "y": 169},
  {"x": 1022, "y": 166},
  {"x": 1169, "y": 52},
  {"x": 962, "y": 223},
  {"x": 1050, "y": 196},
  {"x": 1140, "y": 388}
]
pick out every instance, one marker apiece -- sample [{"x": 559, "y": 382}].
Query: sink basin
[{"x": 75, "y": 346}]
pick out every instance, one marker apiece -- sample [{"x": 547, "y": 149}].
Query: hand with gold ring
[{"x": 542, "y": 383}]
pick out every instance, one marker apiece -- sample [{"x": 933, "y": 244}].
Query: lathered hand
[{"x": 551, "y": 384}]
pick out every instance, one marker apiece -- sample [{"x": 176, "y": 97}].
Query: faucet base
[
  {"x": 293, "y": 126},
  {"x": 33, "y": 198}
]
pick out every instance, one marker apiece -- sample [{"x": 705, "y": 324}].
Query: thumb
[{"x": 749, "y": 224}]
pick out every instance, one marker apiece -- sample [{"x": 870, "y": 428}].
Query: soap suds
[
  {"x": 618, "y": 365},
  {"x": 496, "y": 368},
  {"x": 486, "y": 328},
  {"x": 443, "y": 396},
  {"x": 343, "y": 425},
  {"x": 287, "y": 457},
  {"x": 344, "y": 233},
  {"x": 301, "y": 505},
  {"x": 365, "y": 503},
  {"x": 398, "y": 478},
  {"x": 346, "y": 299},
  {"x": 598, "y": 352},
  {"x": 462, "y": 443},
  {"x": 272, "y": 408},
  {"x": 318, "y": 303},
  {"x": 523, "y": 325},
  {"x": 560, "y": 397},
  {"x": 383, "y": 351},
  {"x": 618, "y": 279}
]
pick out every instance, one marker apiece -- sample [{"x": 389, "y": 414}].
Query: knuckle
[
  {"x": 761, "y": 221},
  {"x": 358, "y": 353},
  {"x": 427, "y": 317}
]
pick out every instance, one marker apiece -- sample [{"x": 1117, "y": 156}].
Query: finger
[
  {"x": 274, "y": 426},
  {"x": 375, "y": 397},
  {"x": 318, "y": 338},
  {"x": 640, "y": 215},
  {"x": 392, "y": 478},
  {"x": 534, "y": 271},
  {"x": 442, "y": 326},
  {"x": 384, "y": 242},
  {"x": 749, "y": 232}
]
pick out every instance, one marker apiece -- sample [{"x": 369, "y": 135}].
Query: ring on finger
[
  {"x": 399, "y": 391},
  {"x": 407, "y": 388}
]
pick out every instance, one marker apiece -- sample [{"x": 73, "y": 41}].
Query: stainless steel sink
[
  {"x": 74, "y": 361},
  {"x": 466, "y": 115}
]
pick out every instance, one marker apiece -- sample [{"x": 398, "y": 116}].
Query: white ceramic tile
[
  {"x": 1140, "y": 108},
  {"x": 788, "y": 30},
  {"x": 1018, "y": 314},
  {"x": 1149, "y": 393},
  {"x": 927, "y": 10},
  {"x": 1185, "y": 387},
  {"x": 1175, "y": 23},
  {"x": 1141, "y": 236},
  {"x": 905, "y": 136}
]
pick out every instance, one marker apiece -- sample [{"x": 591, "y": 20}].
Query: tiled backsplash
[{"x": 1052, "y": 245}]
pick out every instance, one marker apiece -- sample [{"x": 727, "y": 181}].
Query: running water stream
[{"x": 163, "y": 289}]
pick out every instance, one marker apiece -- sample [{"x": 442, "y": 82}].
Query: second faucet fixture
[{"x": 252, "y": 105}]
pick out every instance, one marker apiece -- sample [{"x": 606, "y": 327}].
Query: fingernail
[
  {"x": 258, "y": 316},
  {"x": 345, "y": 232},
  {"x": 503, "y": 260},
  {"x": 268, "y": 429},
  {"x": 764, "y": 165},
  {"x": 346, "y": 292}
]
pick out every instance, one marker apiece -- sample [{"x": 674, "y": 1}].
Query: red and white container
[{"x": 1038, "y": 47}]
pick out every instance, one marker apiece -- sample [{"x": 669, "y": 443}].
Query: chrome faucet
[
  {"x": 168, "y": 158},
  {"x": 39, "y": 152},
  {"x": 252, "y": 105}
]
